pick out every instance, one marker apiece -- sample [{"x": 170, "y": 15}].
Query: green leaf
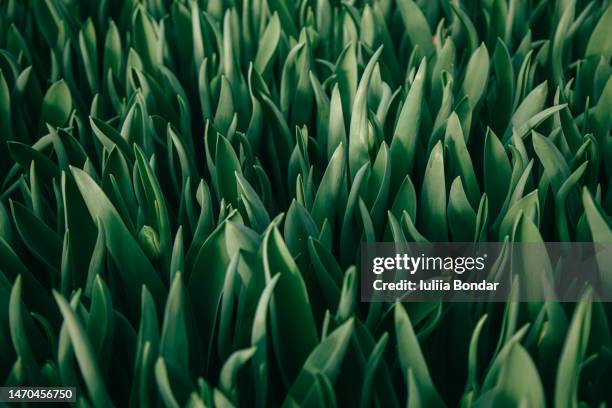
[
  {"x": 291, "y": 314},
  {"x": 601, "y": 233},
  {"x": 348, "y": 296},
  {"x": 599, "y": 44},
  {"x": 502, "y": 104},
  {"x": 325, "y": 202},
  {"x": 558, "y": 43},
  {"x": 206, "y": 280},
  {"x": 299, "y": 227},
  {"x": 528, "y": 206},
  {"x": 327, "y": 271},
  {"x": 476, "y": 74},
  {"x": 226, "y": 320},
  {"x": 112, "y": 50},
  {"x": 101, "y": 322},
  {"x": 147, "y": 344},
  {"x": 255, "y": 209},
  {"x": 134, "y": 129},
  {"x": 205, "y": 222},
  {"x": 377, "y": 192},
  {"x": 432, "y": 217},
  {"x": 411, "y": 357},
  {"x": 443, "y": 67},
  {"x": 461, "y": 216},
  {"x": 157, "y": 213},
  {"x": 373, "y": 364},
  {"x": 405, "y": 199},
  {"x": 602, "y": 116},
  {"x": 57, "y": 105},
  {"x": 531, "y": 105},
  {"x": 405, "y": 137},
  {"x": 416, "y": 26},
  {"x": 224, "y": 115},
  {"x": 326, "y": 359},
  {"x": 41, "y": 240},
  {"x": 349, "y": 234},
  {"x": 369, "y": 234},
  {"x": 358, "y": 134},
  {"x": 24, "y": 335},
  {"x": 188, "y": 168},
  {"x": 518, "y": 381},
  {"x": 284, "y": 14},
  {"x": 68, "y": 146},
  {"x": 36, "y": 296},
  {"x": 25, "y": 155},
  {"x": 118, "y": 181},
  {"x": 174, "y": 345},
  {"x": 146, "y": 40},
  {"x": 572, "y": 355},
  {"x": 472, "y": 380},
  {"x": 163, "y": 382},
  {"x": 259, "y": 341},
  {"x": 561, "y": 216},
  {"x": 553, "y": 161},
  {"x": 537, "y": 119},
  {"x": 395, "y": 228},
  {"x": 5, "y": 113},
  {"x": 346, "y": 72},
  {"x": 84, "y": 353},
  {"x": 460, "y": 160},
  {"x": 336, "y": 133},
  {"x": 268, "y": 44},
  {"x": 110, "y": 138},
  {"x": 121, "y": 244},
  {"x": 535, "y": 258},
  {"x": 497, "y": 171},
  {"x": 89, "y": 53},
  {"x": 231, "y": 368}
]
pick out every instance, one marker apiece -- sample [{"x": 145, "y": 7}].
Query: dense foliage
[{"x": 186, "y": 184}]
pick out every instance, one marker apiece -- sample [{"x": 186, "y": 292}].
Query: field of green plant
[{"x": 185, "y": 185}]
